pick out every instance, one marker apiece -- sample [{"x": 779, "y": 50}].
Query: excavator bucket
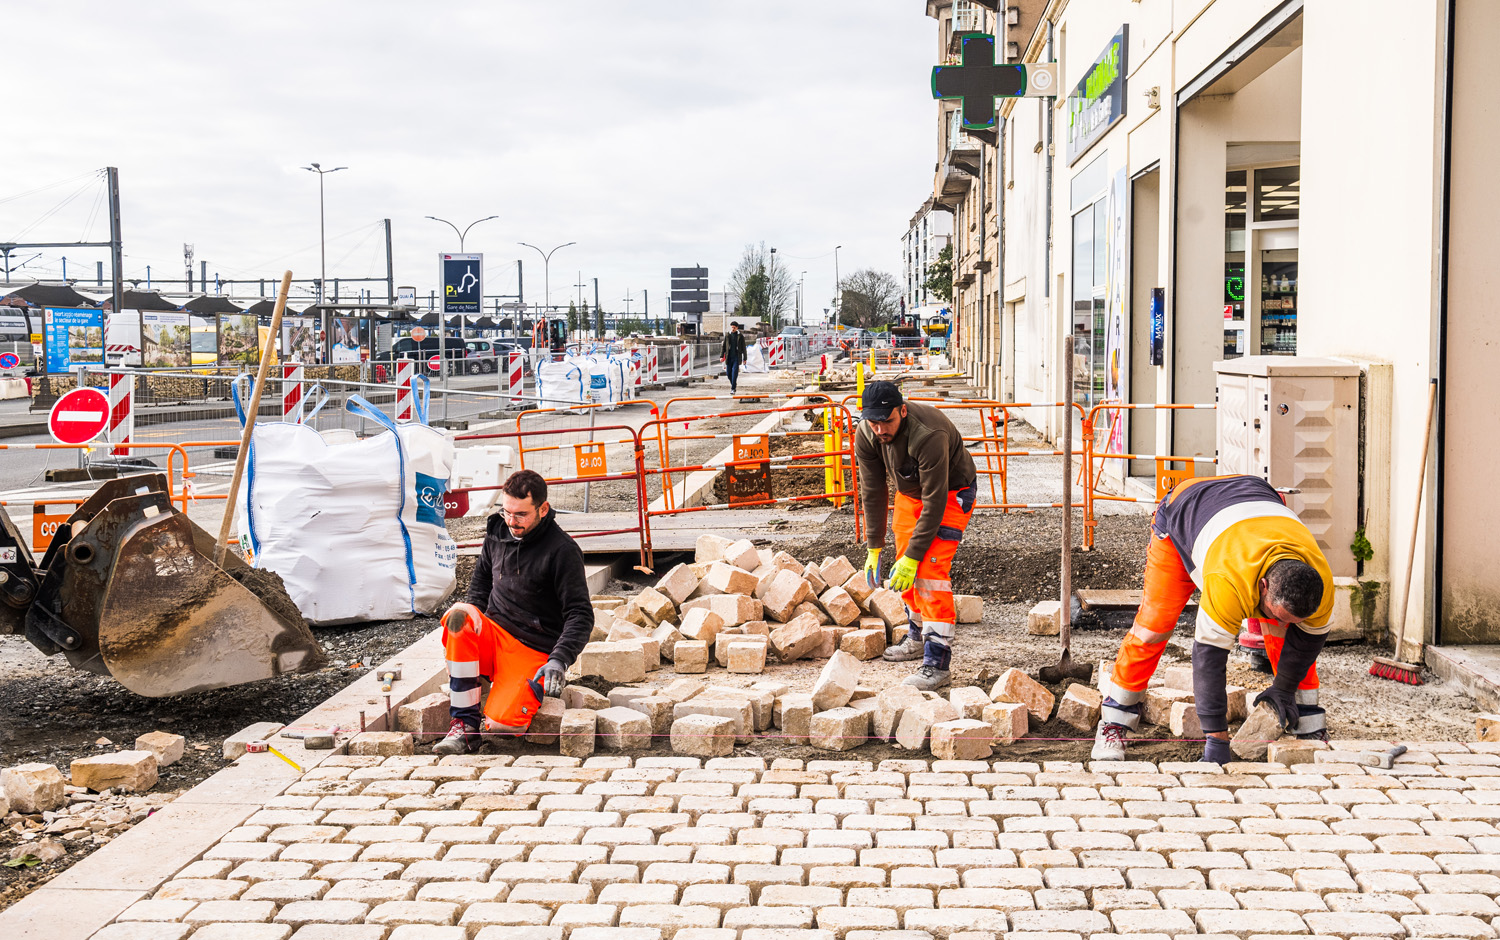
[{"x": 129, "y": 589}]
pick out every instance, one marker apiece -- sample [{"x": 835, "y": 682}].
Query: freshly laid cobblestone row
[{"x": 726, "y": 847}]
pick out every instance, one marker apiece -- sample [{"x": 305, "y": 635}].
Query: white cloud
[{"x": 653, "y": 133}]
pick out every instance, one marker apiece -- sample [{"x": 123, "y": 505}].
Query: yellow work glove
[
  {"x": 903, "y": 573},
  {"x": 872, "y": 568}
]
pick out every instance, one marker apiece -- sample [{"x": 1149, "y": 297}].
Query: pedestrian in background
[{"x": 733, "y": 354}]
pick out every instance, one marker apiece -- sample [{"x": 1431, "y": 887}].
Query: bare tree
[
  {"x": 762, "y": 286},
  {"x": 869, "y": 298}
]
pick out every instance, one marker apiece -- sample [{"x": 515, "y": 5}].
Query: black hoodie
[{"x": 534, "y": 587}]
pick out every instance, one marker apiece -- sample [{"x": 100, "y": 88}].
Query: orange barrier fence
[
  {"x": 1166, "y": 476},
  {"x": 522, "y": 450}
]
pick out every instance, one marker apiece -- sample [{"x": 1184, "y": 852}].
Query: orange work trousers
[
  {"x": 509, "y": 665},
  {"x": 931, "y": 593},
  {"x": 1167, "y": 590}
]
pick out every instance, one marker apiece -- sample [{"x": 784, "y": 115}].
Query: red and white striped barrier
[
  {"x": 653, "y": 365},
  {"x": 291, "y": 392},
  {"x": 404, "y": 371},
  {"x": 778, "y": 350},
  {"x": 121, "y": 412},
  {"x": 516, "y": 377},
  {"x": 685, "y": 361}
]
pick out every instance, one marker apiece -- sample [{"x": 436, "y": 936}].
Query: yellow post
[
  {"x": 830, "y": 481},
  {"x": 872, "y": 361},
  {"x": 859, "y": 379}
]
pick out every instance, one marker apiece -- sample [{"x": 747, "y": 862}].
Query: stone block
[
  {"x": 1239, "y": 702},
  {"x": 917, "y": 721},
  {"x": 650, "y": 652},
  {"x": 764, "y": 578},
  {"x": 839, "y": 606},
  {"x": 721, "y": 644},
  {"x": 1291, "y": 751},
  {"x": 757, "y": 628},
  {"x": 737, "y": 710},
  {"x": 168, "y": 747},
  {"x": 890, "y": 703},
  {"x": 785, "y": 590},
  {"x": 680, "y": 690},
  {"x": 703, "y": 736},
  {"x": 1105, "y": 670},
  {"x": 742, "y": 555},
  {"x": 839, "y": 729},
  {"x": 666, "y": 637},
  {"x": 657, "y": 709},
  {"x": 656, "y": 605},
  {"x": 701, "y": 624},
  {"x": 888, "y": 606},
  {"x": 678, "y": 583},
  {"x": 836, "y": 682},
  {"x": 606, "y": 601},
  {"x": 613, "y": 662},
  {"x": 961, "y": 739},
  {"x": 1080, "y": 707},
  {"x": 711, "y": 548},
  {"x": 622, "y": 729},
  {"x": 1016, "y": 686},
  {"x": 1008, "y": 721},
  {"x": 793, "y": 640},
  {"x": 748, "y": 657},
  {"x": 828, "y": 644},
  {"x": 381, "y": 744},
  {"x": 547, "y": 722},
  {"x": 969, "y": 700},
  {"x": 727, "y": 579},
  {"x": 1487, "y": 728},
  {"x": 1178, "y": 677},
  {"x": 690, "y": 656},
  {"x": 1044, "y": 619},
  {"x": 1159, "y": 702},
  {"x": 762, "y": 701},
  {"x": 863, "y": 644},
  {"x": 581, "y": 696},
  {"x": 796, "y": 711},
  {"x": 970, "y": 608},
  {"x": 858, "y": 588},
  {"x": 622, "y": 630},
  {"x": 575, "y": 736},
  {"x": 814, "y": 575},
  {"x": 836, "y": 570},
  {"x": 812, "y": 607},
  {"x": 604, "y": 621},
  {"x": 1184, "y": 720},
  {"x": 633, "y": 613},
  {"x": 733, "y": 609},
  {"x": 425, "y": 719},
  {"x": 234, "y": 745},
  {"x": 33, "y": 788}
]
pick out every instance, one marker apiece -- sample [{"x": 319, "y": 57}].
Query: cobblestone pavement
[{"x": 610, "y": 848}]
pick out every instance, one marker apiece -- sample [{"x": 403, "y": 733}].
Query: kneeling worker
[
  {"x": 524, "y": 620},
  {"x": 1234, "y": 539},
  {"x": 935, "y": 488}
]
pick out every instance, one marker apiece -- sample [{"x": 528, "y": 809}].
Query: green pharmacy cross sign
[{"x": 979, "y": 81}]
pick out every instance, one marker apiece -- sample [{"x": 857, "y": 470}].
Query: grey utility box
[{"x": 1294, "y": 422}]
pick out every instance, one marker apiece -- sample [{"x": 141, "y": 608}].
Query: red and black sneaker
[{"x": 460, "y": 739}]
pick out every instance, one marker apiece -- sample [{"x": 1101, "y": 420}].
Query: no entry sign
[
  {"x": 435, "y": 363},
  {"x": 79, "y": 416}
]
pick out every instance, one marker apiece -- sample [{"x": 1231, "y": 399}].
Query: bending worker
[
  {"x": 524, "y": 620},
  {"x": 1234, "y": 539},
  {"x": 935, "y": 488}
]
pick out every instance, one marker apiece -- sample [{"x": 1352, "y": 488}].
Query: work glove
[
  {"x": 552, "y": 677},
  {"x": 872, "y": 568},
  {"x": 461, "y": 617},
  {"x": 1298, "y": 653},
  {"x": 903, "y": 573},
  {"x": 1283, "y": 702},
  {"x": 1217, "y": 750}
]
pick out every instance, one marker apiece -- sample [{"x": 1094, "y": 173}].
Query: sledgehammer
[{"x": 1383, "y": 760}]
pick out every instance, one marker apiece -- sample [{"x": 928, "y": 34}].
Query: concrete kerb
[{"x": 92, "y": 893}]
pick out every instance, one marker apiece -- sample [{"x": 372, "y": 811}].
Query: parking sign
[{"x": 463, "y": 282}]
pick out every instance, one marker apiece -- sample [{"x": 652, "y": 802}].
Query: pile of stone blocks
[
  {"x": 738, "y": 608},
  {"x": 1170, "y": 703}
]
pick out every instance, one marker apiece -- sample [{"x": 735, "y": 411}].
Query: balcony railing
[{"x": 968, "y": 17}]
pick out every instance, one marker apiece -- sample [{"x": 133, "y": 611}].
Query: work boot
[
  {"x": 927, "y": 678},
  {"x": 460, "y": 739},
  {"x": 1312, "y": 724},
  {"x": 905, "y": 651},
  {"x": 1109, "y": 742}
]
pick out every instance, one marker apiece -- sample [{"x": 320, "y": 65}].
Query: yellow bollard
[
  {"x": 872, "y": 362},
  {"x": 831, "y": 482},
  {"x": 859, "y": 379}
]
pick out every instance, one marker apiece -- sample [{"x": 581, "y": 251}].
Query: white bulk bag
[
  {"x": 344, "y": 523},
  {"x": 755, "y": 359},
  {"x": 561, "y": 383}
]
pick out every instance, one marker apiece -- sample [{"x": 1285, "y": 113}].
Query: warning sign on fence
[
  {"x": 589, "y": 460},
  {"x": 750, "y": 482}
]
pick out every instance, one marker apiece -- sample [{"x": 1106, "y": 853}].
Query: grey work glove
[{"x": 552, "y": 677}]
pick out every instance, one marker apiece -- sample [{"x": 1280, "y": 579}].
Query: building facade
[
  {"x": 1218, "y": 180},
  {"x": 927, "y": 234}
]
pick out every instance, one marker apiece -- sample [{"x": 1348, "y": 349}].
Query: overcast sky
[{"x": 654, "y": 133}]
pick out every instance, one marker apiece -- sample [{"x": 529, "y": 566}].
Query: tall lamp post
[
  {"x": 838, "y": 303},
  {"x": 323, "y": 254},
  {"x": 465, "y": 232},
  {"x": 546, "y": 272}
]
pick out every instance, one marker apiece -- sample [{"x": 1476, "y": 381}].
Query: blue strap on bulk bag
[{"x": 359, "y": 406}]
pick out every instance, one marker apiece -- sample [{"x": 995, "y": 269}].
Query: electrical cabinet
[{"x": 1294, "y": 422}]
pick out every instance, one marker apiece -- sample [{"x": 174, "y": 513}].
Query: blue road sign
[{"x": 463, "y": 282}]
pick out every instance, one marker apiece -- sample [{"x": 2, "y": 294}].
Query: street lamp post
[
  {"x": 801, "y": 280},
  {"x": 838, "y": 294},
  {"x": 465, "y": 232},
  {"x": 546, "y": 273},
  {"x": 323, "y": 254}
]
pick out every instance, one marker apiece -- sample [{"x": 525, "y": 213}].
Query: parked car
[
  {"x": 487, "y": 356},
  {"x": 793, "y": 331}
]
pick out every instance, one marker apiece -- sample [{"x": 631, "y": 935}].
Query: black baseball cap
[{"x": 881, "y": 398}]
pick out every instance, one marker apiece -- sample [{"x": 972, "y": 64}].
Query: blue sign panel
[
  {"x": 1158, "y": 325},
  {"x": 463, "y": 282},
  {"x": 74, "y": 336}
]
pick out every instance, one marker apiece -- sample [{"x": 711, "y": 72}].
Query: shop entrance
[{"x": 1261, "y": 212}]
